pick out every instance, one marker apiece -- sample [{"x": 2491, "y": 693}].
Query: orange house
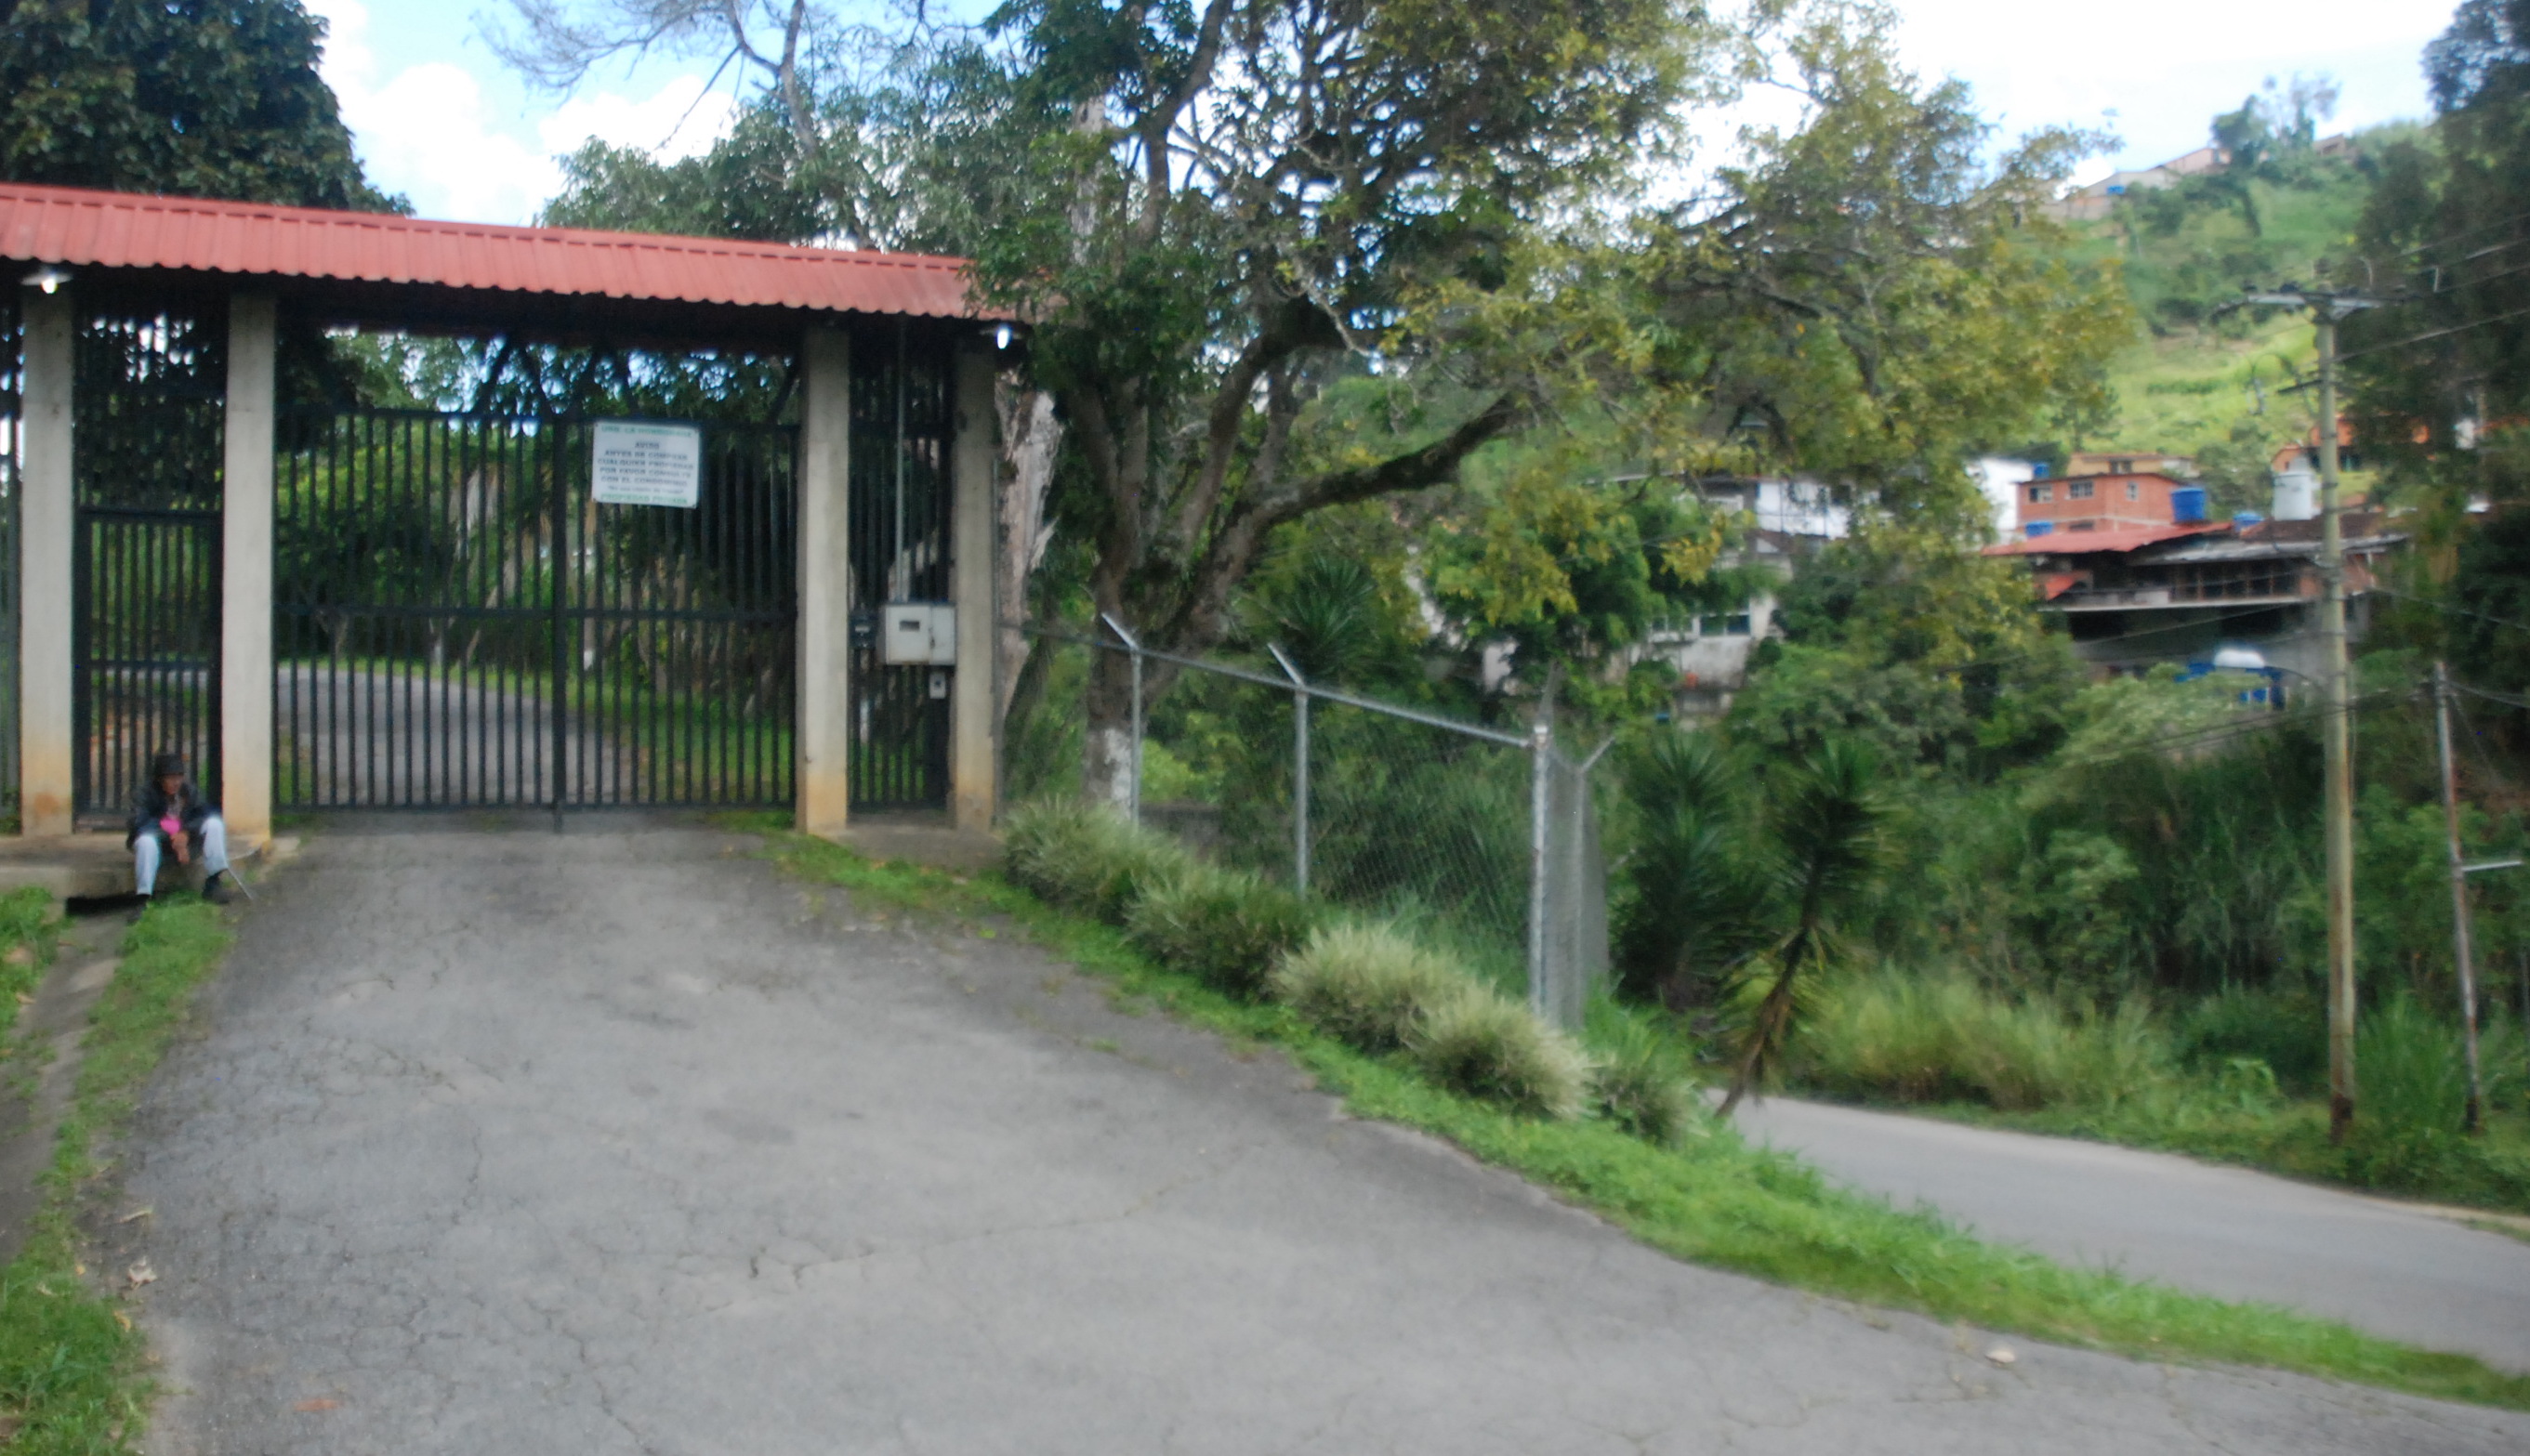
[{"x": 2099, "y": 503}]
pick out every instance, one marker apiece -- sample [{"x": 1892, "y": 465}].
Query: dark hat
[{"x": 168, "y": 766}]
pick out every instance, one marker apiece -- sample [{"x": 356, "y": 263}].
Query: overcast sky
[{"x": 437, "y": 118}]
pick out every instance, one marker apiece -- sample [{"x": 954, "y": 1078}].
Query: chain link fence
[{"x": 1480, "y": 841}]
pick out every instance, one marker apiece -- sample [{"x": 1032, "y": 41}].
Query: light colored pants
[{"x": 146, "y": 852}]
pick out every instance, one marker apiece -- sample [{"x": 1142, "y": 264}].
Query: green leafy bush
[
  {"x": 1228, "y": 926},
  {"x": 1087, "y": 858},
  {"x": 1637, "y": 1082},
  {"x": 1364, "y": 985},
  {"x": 1479, "y": 1042},
  {"x": 2286, "y": 1031}
]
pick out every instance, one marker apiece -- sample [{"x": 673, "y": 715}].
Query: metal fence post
[
  {"x": 1299, "y": 773},
  {"x": 1541, "y": 745},
  {"x": 1134, "y": 649}
]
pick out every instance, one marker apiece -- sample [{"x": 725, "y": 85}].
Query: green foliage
[
  {"x": 1229, "y": 926},
  {"x": 1827, "y": 818},
  {"x": 1479, "y": 1044},
  {"x": 742, "y": 187},
  {"x": 187, "y": 97},
  {"x": 70, "y": 1365},
  {"x": 2285, "y": 1031},
  {"x": 1639, "y": 1081},
  {"x": 1364, "y": 985},
  {"x": 27, "y": 928},
  {"x": 1692, "y": 898},
  {"x": 1942, "y": 1038},
  {"x": 1088, "y": 857}
]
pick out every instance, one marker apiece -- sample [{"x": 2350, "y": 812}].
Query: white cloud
[
  {"x": 679, "y": 119},
  {"x": 428, "y": 130}
]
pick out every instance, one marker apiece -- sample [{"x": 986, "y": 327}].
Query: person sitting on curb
[{"x": 168, "y": 816}]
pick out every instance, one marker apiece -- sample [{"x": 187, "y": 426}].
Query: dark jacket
[{"x": 149, "y": 805}]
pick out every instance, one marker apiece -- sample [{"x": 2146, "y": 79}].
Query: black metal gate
[
  {"x": 461, "y": 625},
  {"x": 899, "y": 523},
  {"x": 147, "y": 402}
]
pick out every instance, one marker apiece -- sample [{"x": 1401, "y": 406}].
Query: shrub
[
  {"x": 1481, "y": 1044},
  {"x": 1364, "y": 985},
  {"x": 2288, "y": 1032},
  {"x": 1086, "y": 857},
  {"x": 1943, "y": 1039},
  {"x": 1228, "y": 926},
  {"x": 1637, "y": 1083}
]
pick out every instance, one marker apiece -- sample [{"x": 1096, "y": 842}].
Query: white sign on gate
[{"x": 632, "y": 463}]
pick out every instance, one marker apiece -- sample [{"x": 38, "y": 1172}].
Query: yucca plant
[{"x": 1826, "y": 820}]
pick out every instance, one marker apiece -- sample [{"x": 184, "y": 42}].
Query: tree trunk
[
  {"x": 1107, "y": 744},
  {"x": 1031, "y": 435}
]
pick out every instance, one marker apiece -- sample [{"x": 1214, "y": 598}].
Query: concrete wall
[
  {"x": 245, "y": 576},
  {"x": 974, "y": 757},
  {"x": 825, "y": 637},
  {"x": 45, "y": 793}
]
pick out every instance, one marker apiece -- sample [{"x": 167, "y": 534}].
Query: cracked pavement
[{"x": 620, "y": 1141}]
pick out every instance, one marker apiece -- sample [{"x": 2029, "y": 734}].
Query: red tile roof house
[{"x": 2141, "y": 578}]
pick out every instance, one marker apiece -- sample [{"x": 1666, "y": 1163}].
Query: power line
[
  {"x": 2356, "y": 353},
  {"x": 2502, "y": 621}
]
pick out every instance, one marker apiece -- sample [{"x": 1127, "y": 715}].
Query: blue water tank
[
  {"x": 2038, "y": 529},
  {"x": 2187, "y": 503}
]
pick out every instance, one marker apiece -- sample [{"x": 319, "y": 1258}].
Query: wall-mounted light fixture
[
  {"x": 48, "y": 278},
  {"x": 1001, "y": 336}
]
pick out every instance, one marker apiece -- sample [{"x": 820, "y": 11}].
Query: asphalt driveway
[{"x": 621, "y": 1142}]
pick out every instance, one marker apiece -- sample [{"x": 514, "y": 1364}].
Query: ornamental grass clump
[
  {"x": 1087, "y": 858},
  {"x": 1364, "y": 985},
  {"x": 1637, "y": 1084},
  {"x": 1481, "y": 1044},
  {"x": 1229, "y": 926}
]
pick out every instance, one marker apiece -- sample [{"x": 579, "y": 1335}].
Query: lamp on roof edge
[{"x": 48, "y": 278}]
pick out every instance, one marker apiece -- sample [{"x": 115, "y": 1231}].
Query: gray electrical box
[{"x": 918, "y": 635}]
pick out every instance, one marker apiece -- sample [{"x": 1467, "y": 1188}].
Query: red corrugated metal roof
[
  {"x": 80, "y": 227},
  {"x": 2082, "y": 543}
]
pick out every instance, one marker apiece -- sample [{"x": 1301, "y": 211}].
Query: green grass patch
[
  {"x": 72, "y": 1372},
  {"x": 2219, "y": 1086},
  {"x": 1709, "y": 1197}
]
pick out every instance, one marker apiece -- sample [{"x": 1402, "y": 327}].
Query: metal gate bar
[
  {"x": 148, "y": 404},
  {"x": 898, "y": 518},
  {"x": 461, "y": 625}
]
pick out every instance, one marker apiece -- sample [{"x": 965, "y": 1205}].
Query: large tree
[
  {"x": 2439, "y": 383},
  {"x": 181, "y": 96},
  {"x": 1279, "y": 257}
]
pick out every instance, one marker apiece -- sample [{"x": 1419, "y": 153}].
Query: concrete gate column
[
  {"x": 974, "y": 776},
  {"x": 45, "y": 531},
  {"x": 245, "y": 576},
  {"x": 824, "y": 690}
]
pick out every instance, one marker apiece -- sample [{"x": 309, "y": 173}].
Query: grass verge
[
  {"x": 1711, "y": 1197},
  {"x": 71, "y": 1376}
]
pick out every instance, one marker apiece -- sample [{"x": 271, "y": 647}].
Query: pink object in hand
[{"x": 171, "y": 825}]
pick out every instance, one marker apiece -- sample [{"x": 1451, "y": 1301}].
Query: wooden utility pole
[
  {"x": 2461, "y": 954},
  {"x": 2335, "y": 723}
]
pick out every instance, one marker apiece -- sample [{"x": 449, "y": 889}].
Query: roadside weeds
[{"x": 74, "y": 1374}]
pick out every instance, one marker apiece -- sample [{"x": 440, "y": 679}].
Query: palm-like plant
[
  {"x": 1699, "y": 901},
  {"x": 1826, "y": 821}
]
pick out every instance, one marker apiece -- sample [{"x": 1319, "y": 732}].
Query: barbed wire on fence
[{"x": 1478, "y": 839}]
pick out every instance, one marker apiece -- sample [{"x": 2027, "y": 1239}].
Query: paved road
[
  {"x": 2228, "y": 1231},
  {"x": 619, "y": 1143}
]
